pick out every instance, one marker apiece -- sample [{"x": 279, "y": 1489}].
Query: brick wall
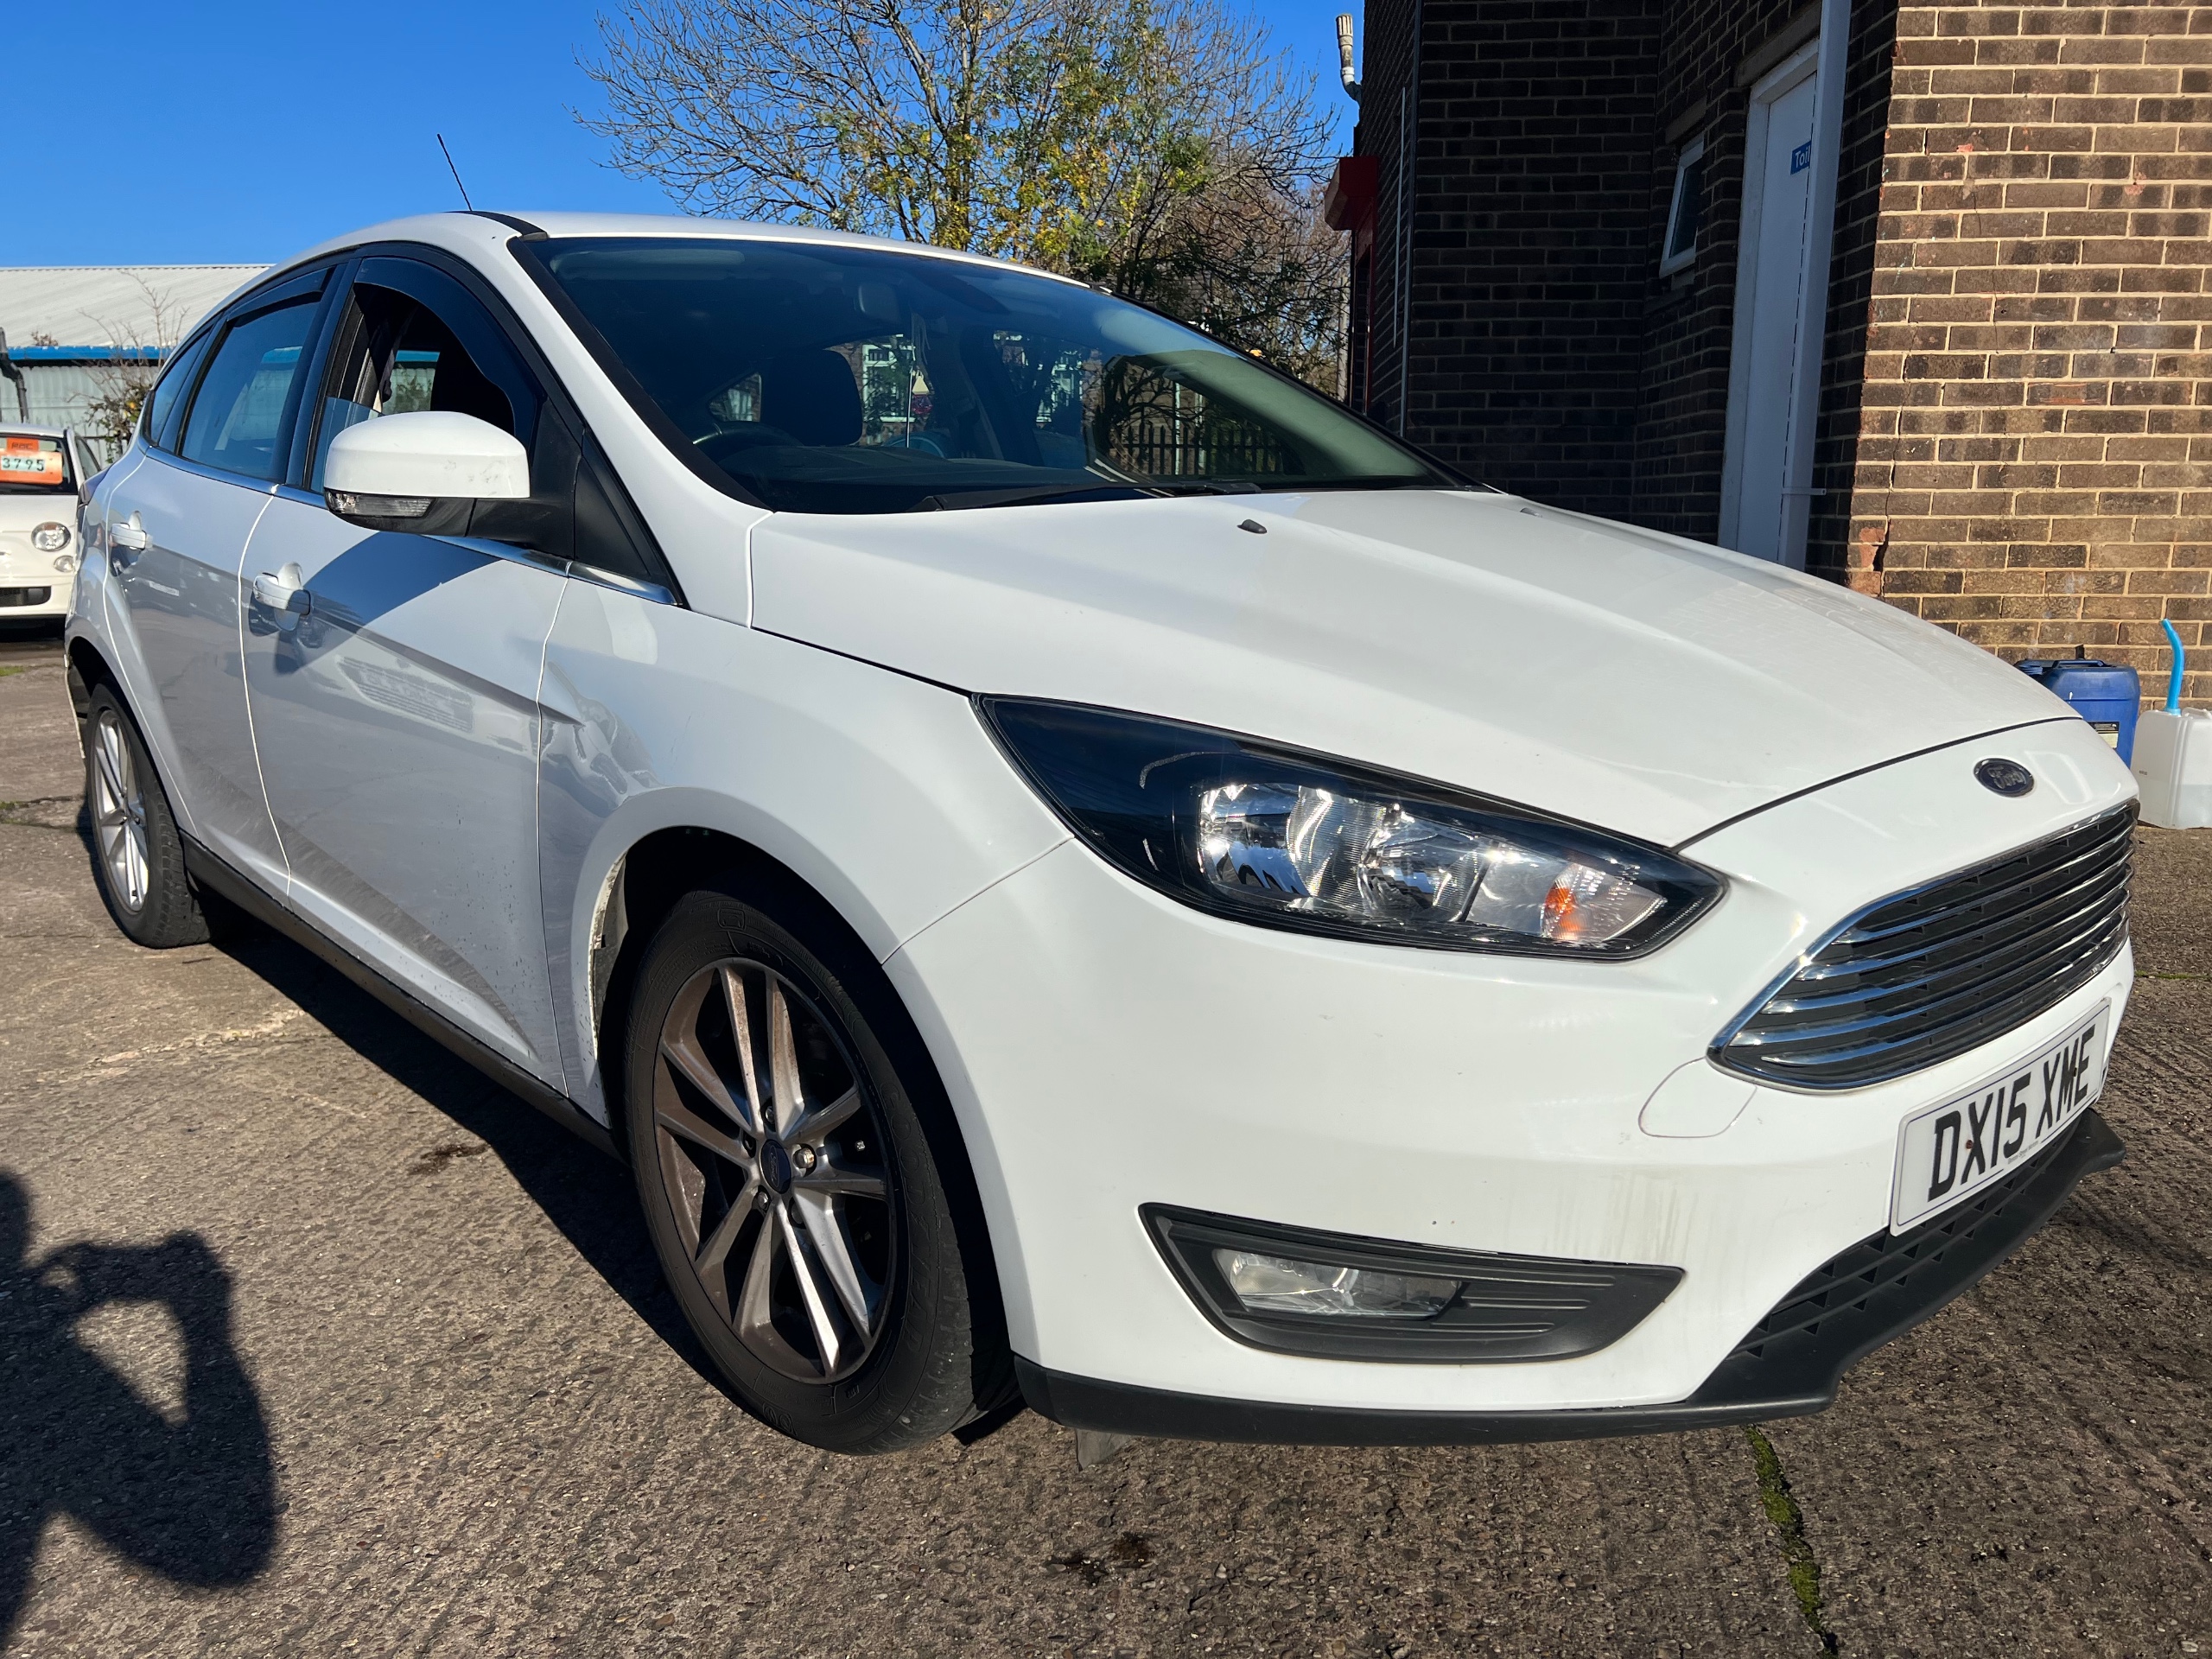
[
  {"x": 2035, "y": 468},
  {"x": 1548, "y": 356},
  {"x": 1532, "y": 242},
  {"x": 1389, "y": 119},
  {"x": 1867, "y": 95},
  {"x": 1688, "y": 317}
]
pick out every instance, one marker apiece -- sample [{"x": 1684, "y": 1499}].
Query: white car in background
[
  {"x": 41, "y": 471},
  {"x": 1076, "y": 871}
]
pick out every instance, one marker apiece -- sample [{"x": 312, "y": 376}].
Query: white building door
[{"x": 1758, "y": 514}]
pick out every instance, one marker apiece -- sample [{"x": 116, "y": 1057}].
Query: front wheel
[{"x": 787, "y": 1180}]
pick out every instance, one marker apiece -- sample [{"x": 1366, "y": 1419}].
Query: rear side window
[
  {"x": 237, "y": 416},
  {"x": 167, "y": 404}
]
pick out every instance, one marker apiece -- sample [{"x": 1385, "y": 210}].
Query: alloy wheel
[
  {"x": 119, "y": 813},
  {"x": 776, "y": 1169}
]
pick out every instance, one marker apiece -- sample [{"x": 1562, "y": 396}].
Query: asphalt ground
[{"x": 312, "y": 1341}]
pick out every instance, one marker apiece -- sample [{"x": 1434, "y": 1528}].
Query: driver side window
[
  {"x": 411, "y": 338},
  {"x": 395, "y": 355}
]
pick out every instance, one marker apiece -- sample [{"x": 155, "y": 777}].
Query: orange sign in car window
[{"x": 31, "y": 460}]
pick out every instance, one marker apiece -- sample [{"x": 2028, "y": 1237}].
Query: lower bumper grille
[
  {"x": 16, "y": 598},
  {"x": 1877, "y": 1289},
  {"x": 1928, "y": 974}
]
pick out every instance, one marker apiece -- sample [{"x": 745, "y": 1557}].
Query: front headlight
[
  {"x": 50, "y": 537},
  {"x": 1287, "y": 839}
]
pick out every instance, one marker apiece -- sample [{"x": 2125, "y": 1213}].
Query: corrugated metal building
[{"x": 79, "y": 332}]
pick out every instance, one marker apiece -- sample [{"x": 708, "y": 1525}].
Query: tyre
[
  {"x": 137, "y": 856},
  {"x": 787, "y": 1176}
]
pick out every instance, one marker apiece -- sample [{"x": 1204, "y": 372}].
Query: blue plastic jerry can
[{"x": 2106, "y": 695}]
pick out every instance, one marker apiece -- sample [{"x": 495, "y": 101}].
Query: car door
[
  {"x": 215, "y": 441},
  {"x": 393, "y": 678}
]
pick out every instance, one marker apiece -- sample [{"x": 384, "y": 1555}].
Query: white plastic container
[{"x": 2173, "y": 767}]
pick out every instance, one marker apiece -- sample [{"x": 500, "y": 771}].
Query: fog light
[
  {"x": 65, "y": 563},
  {"x": 1340, "y": 1296},
  {"x": 50, "y": 537},
  {"x": 1275, "y": 1284}
]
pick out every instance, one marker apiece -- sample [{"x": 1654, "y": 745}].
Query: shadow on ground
[
  {"x": 584, "y": 1193},
  {"x": 193, "y": 1499}
]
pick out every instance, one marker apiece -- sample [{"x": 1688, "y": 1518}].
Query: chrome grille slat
[
  {"x": 2088, "y": 944},
  {"x": 1872, "y": 925},
  {"x": 2082, "y": 919},
  {"x": 2086, "y": 892},
  {"x": 2018, "y": 1004},
  {"x": 1916, "y": 978}
]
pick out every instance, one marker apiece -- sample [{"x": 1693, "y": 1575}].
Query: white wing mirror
[{"x": 419, "y": 471}]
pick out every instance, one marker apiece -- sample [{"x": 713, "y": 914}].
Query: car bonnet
[{"x": 1612, "y": 675}]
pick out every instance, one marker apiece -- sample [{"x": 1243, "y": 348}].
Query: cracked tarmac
[{"x": 321, "y": 1343}]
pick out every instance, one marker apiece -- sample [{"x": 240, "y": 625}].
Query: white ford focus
[{"x": 1075, "y": 871}]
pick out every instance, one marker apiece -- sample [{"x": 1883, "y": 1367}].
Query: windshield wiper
[{"x": 1026, "y": 494}]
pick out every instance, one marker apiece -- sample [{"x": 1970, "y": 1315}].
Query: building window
[{"x": 1687, "y": 208}]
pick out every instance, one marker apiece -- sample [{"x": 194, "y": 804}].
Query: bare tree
[
  {"x": 1257, "y": 267},
  {"x": 136, "y": 353},
  {"x": 1160, "y": 147}
]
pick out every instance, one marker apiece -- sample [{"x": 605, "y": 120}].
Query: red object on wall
[{"x": 1349, "y": 203}]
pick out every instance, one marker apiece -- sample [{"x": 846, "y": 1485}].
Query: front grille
[
  {"x": 1931, "y": 973},
  {"x": 11, "y": 597}
]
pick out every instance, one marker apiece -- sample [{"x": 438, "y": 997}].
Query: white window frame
[{"x": 1689, "y": 155}]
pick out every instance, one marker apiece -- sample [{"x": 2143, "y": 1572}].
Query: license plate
[{"x": 1949, "y": 1152}]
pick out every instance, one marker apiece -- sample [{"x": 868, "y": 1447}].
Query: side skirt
[{"x": 212, "y": 872}]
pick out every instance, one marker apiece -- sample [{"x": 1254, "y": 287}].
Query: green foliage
[{"x": 1781, "y": 1506}]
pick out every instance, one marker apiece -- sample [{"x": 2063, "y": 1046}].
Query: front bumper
[
  {"x": 1108, "y": 1049},
  {"x": 1789, "y": 1365},
  {"x": 26, "y": 597}
]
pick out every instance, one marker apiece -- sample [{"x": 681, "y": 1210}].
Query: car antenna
[{"x": 455, "y": 171}]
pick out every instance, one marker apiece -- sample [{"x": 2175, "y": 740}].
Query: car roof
[
  {"x": 480, "y": 231},
  {"x": 17, "y": 430}
]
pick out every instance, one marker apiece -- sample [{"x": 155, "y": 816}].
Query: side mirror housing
[{"x": 423, "y": 472}]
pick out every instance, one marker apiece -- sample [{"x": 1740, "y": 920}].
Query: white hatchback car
[
  {"x": 1076, "y": 871},
  {"x": 42, "y": 472}
]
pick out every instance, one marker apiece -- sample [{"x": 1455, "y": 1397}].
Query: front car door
[
  {"x": 213, "y": 444},
  {"x": 393, "y": 678}
]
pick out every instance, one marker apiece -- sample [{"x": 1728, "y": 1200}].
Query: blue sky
[{"x": 195, "y": 134}]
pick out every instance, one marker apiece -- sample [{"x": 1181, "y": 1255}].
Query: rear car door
[
  {"x": 216, "y": 438},
  {"x": 393, "y": 678}
]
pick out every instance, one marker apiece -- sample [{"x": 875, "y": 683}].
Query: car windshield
[
  {"x": 32, "y": 465},
  {"x": 820, "y": 377}
]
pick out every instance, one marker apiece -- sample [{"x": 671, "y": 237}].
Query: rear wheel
[
  {"x": 138, "y": 857},
  {"x": 787, "y": 1180}
]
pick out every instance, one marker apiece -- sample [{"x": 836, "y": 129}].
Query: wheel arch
[
  {"x": 642, "y": 886},
  {"x": 87, "y": 668}
]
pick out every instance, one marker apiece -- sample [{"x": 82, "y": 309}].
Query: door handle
[
  {"x": 126, "y": 541},
  {"x": 285, "y": 593}
]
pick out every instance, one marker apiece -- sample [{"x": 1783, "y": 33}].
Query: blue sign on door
[{"x": 1802, "y": 157}]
